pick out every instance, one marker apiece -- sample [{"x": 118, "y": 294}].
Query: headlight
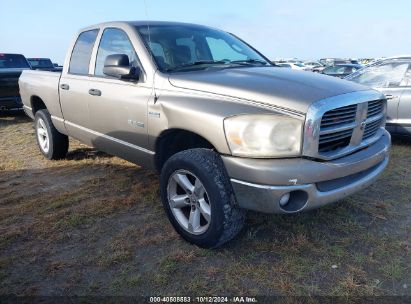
[{"x": 263, "y": 135}]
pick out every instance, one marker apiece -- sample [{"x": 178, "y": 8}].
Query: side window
[
  {"x": 114, "y": 41},
  {"x": 80, "y": 57},
  {"x": 384, "y": 75},
  {"x": 221, "y": 50}
]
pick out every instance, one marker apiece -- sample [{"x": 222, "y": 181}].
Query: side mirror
[{"x": 118, "y": 65}]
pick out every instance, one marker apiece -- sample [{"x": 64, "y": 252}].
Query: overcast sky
[{"x": 291, "y": 28}]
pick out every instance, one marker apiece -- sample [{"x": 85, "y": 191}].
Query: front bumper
[
  {"x": 259, "y": 184},
  {"x": 9, "y": 103}
]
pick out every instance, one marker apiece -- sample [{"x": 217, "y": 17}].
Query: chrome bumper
[{"x": 311, "y": 184}]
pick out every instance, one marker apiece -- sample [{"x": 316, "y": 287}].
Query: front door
[{"x": 118, "y": 108}]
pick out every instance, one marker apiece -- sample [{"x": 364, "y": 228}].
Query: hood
[{"x": 294, "y": 90}]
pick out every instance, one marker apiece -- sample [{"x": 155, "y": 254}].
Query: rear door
[{"x": 74, "y": 86}]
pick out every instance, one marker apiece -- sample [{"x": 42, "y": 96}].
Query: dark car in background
[
  {"x": 11, "y": 66},
  {"x": 391, "y": 76},
  {"x": 44, "y": 64},
  {"x": 341, "y": 70}
]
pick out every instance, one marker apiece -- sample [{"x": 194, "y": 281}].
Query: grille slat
[
  {"x": 333, "y": 123},
  {"x": 341, "y": 111},
  {"x": 351, "y": 115},
  {"x": 373, "y": 113},
  {"x": 335, "y": 137},
  {"x": 338, "y": 113},
  {"x": 375, "y": 106}
]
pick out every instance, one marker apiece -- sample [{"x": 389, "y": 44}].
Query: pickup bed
[{"x": 226, "y": 129}]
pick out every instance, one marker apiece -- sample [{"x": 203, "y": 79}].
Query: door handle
[
  {"x": 64, "y": 86},
  {"x": 94, "y": 92},
  {"x": 389, "y": 96}
]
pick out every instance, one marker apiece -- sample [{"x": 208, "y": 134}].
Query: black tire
[
  {"x": 58, "y": 143},
  {"x": 227, "y": 219}
]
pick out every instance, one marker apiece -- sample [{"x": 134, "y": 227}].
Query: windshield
[
  {"x": 40, "y": 63},
  {"x": 13, "y": 61},
  {"x": 188, "y": 47}
]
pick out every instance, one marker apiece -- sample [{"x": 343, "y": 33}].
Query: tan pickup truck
[{"x": 226, "y": 129}]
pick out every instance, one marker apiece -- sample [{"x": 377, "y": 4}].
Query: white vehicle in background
[
  {"x": 287, "y": 60},
  {"x": 314, "y": 66},
  {"x": 292, "y": 65}
]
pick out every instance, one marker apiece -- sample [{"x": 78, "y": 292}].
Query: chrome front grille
[
  {"x": 339, "y": 116},
  {"x": 338, "y": 126},
  {"x": 372, "y": 128},
  {"x": 332, "y": 141},
  {"x": 375, "y": 108},
  {"x": 375, "y": 119}
]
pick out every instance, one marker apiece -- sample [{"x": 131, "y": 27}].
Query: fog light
[{"x": 284, "y": 199}]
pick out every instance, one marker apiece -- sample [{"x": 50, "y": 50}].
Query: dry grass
[{"x": 94, "y": 225}]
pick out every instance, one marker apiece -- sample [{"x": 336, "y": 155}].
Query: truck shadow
[
  {"x": 13, "y": 117},
  {"x": 86, "y": 153}
]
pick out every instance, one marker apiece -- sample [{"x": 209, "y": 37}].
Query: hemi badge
[{"x": 154, "y": 114}]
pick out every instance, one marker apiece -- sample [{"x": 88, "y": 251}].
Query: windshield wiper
[
  {"x": 196, "y": 63},
  {"x": 250, "y": 61}
]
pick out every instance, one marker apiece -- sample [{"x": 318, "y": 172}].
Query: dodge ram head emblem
[{"x": 363, "y": 125}]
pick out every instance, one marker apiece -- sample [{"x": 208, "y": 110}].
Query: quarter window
[
  {"x": 114, "y": 41},
  {"x": 80, "y": 57}
]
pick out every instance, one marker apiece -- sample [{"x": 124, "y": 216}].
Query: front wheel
[{"x": 198, "y": 198}]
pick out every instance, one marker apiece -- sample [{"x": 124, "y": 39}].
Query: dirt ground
[{"x": 94, "y": 225}]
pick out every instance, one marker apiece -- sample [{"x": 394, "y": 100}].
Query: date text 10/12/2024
[{"x": 203, "y": 300}]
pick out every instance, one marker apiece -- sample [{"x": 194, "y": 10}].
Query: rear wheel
[
  {"x": 198, "y": 198},
  {"x": 52, "y": 143}
]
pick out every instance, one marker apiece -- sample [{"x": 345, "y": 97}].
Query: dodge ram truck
[
  {"x": 11, "y": 66},
  {"x": 226, "y": 129}
]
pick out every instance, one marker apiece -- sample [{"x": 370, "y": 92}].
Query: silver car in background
[{"x": 391, "y": 76}]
